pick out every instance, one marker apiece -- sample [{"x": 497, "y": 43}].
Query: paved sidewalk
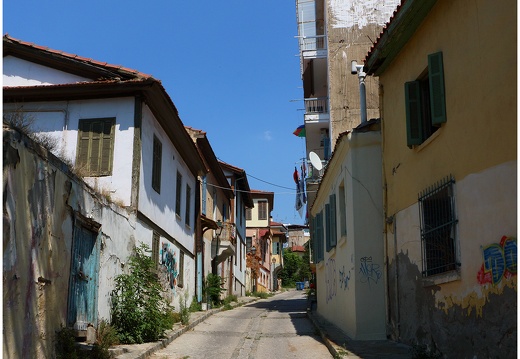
[
  {"x": 143, "y": 351},
  {"x": 341, "y": 346}
]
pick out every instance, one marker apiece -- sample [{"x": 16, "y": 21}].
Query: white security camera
[{"x": 354, "y": 68}]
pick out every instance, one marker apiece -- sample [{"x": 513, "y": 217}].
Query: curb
[{"x": 329, "y": 344}]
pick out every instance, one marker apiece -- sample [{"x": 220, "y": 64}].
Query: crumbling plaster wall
[
  {"x": 41, "y": 197},
  {"x": 352, "y": 27},
  {"x": 475, "y": 313}
]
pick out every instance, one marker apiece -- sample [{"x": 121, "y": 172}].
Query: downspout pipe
[{"x": 358, "y": 69}]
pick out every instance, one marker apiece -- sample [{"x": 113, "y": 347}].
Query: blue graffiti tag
[
  {"x": 370, "y": 272},
  {"x": 499, "y": 258}
]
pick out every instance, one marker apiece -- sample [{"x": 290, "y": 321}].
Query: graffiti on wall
[
  {"x": 169, "y": 261},
  {"x": 499, "y": 261},
  {"x": 344, "y": 278},
  {"x": 330, "y": 279},
  {"x": 370, "y": 272}
]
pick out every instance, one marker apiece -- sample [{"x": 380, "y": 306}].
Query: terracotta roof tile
[{"x": 79, "y": 58}]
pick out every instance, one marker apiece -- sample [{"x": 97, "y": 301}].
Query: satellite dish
[{"x": 315, "y": 160}]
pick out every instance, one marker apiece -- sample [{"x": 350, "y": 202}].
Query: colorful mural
[
  {"x": 169, "y": 260},
  {"x": 499, "y": 261}
]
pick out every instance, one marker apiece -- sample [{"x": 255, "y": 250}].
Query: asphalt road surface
[{"x": 277, "y": 327}]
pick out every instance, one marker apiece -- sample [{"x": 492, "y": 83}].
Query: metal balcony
[
  {"x": 316, "y": 105},
  {"x": 313, "y": 43}
]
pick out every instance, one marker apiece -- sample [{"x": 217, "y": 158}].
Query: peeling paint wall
[
  {"x": 41, "y": 198},
  {"x": 474, "y": 313},
  {"x": 352, "y": 27}
]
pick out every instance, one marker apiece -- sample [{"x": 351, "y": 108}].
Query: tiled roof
[
  {"x": 110, "y": 67},
  {"x": 403, "y": 23},
  {"x": 298, "y": 248},
  {"x": 384, "y": 31}
]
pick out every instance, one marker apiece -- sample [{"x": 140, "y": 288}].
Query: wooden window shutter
[
  {"x": 413, "y": 113},
  {"x": 437, "y": 96},
  {"x": 319, "y": 235},
  {"x": 333, "y": 227},
  {"x": 178, "y": 194},
  {"x": 328, "y": 229},
  {"x": 83, "y": 145},
  {"x": 314, "y": 238},
  {"x": 107, "y": 147},
  {"x": 156, "y": 165},
  {"x": 188, "y": 207},
  {"x": 96, "y": 146}
]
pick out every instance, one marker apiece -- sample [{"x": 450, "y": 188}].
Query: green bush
[
  {"x": 195, "y": 306},
  {"x": 65, "y": 344},
  {"x": 213, "y": 288},
  {"x": 140, "y": 312},
  {"x": 67, "y": 348}
]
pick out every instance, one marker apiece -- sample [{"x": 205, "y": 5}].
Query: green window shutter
[
  {"x": 314, "y": 240},
  {"x": 328, "y": 230},
  {"x": 333, "y": 226},
  {"x": 96, "y": 146},
  {"x": 319, "y": 237},
  {"x": 437, "y": 97},
  {"x": 83, "y": 146},
  {"x": 156, "y": 164},
  {"x": 413, "y": 113},
  {"x": 107, "y": 147},
  {"x": 178, "y": 194}
]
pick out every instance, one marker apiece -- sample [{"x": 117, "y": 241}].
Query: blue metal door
[{"x": 83, "y": 287}]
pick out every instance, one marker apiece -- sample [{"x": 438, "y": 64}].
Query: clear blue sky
[{"x": 230, "y": 67}]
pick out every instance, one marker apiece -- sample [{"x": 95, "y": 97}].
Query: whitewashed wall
[
  {"x": 60, "y": 121},
  {"x": 160, "y": 207},
  {"x": 18, "y": 72}
]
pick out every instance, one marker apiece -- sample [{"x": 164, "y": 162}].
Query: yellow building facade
[{"x": 447, "y": 72}]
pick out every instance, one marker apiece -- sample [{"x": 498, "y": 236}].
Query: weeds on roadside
[
  {"x": 421, "y": 351},
  {"x": 185, "y": 310},
  {"x": 66, "y": 347},
  {"x": 139, "y": 310}
]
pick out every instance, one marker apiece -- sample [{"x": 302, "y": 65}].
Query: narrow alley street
[{"x": 276, "y": 327}]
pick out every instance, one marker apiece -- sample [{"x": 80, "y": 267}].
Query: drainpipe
[{"x": 358, "y": 69}]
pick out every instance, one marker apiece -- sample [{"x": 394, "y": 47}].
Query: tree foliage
[{"x": 295, "y": 268}]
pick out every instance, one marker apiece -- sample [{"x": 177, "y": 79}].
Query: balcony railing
[
  {"x": 313, "y": 175},
  {"x": 316, "y": 105},
  {"x": 313, "y": 43},
  {"x": 228, "y": 232}
]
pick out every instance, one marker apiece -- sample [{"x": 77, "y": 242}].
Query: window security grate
[{"x": 438, "y": 235}]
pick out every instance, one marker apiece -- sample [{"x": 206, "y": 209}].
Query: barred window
[{"x": 438, "y": 234}]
